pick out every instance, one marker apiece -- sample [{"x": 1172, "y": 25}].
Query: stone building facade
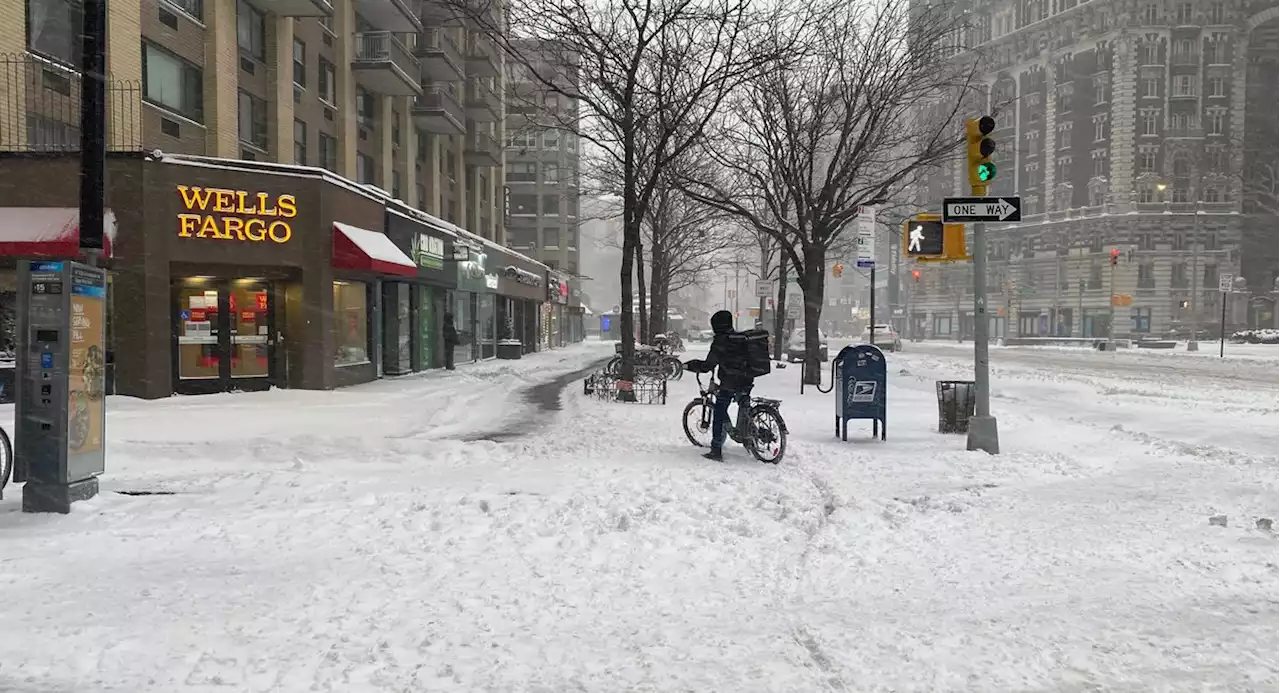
[{"x": 1120, "y": 123}]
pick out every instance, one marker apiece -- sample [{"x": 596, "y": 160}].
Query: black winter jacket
[{"x": 731, "y": 376}]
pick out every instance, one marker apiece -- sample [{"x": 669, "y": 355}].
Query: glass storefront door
[{"x": 224, "y": 335}]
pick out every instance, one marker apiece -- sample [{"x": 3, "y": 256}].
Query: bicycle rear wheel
[
  {"x": 6, "y": 458},
  {"x": 768, "y": 435}
]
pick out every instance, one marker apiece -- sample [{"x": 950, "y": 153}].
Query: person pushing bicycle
[{"x": 735, "y": 378}]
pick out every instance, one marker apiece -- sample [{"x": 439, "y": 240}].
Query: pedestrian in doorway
[{"x": 450, "y": 334}]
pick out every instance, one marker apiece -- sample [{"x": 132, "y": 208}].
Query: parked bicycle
[
  {"x": 650, "y": 360},
  {"x": 759, "y": 427}
]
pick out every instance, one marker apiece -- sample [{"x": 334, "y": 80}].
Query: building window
[
  {"x": 551, "y": 139},
  {"x": 1218, "y": 53},
  {"x": 1210, "y": 276},
  {"x": 1184, "y": 13},
  {"x": 253, "y": 120},
  {"x": 551, "y": 238},
  {"x": 53, "y": 29},
  {"x": 299, "y": 143},
  {"x": 521, "y": 171},
  {"x": 1150, "y": 123},
  {"x": 250, "y": 30},
  {"x": 1148, "y": 54},
  {"x": 1179, "y": 277},
  {"x": 1146, "y": 276},
  {"x": 326, "y": 82},
  {"x": 1211, "y": 194},
  {"x": 1184, "y": 85},
  {"x": 1099, "y": 128},
  {"x": 1147, "y": 160},
  {"x": 524, "y": 204},
  {"x": 172, "y": 82},
  {"x": 1217, "y": 121},
  {"x": 329, "y": 152},
  {"x": 395, "y": 184},
  {"x": 365, "y": 169},
  {"x": 1099, "y": 91},
  {"x": 1217, "y": 86},
  {"x": 1141, "y": 320},
  {"x": 366, "y": 109},
  {"x": 1218, "y": 13},
  {"x": 1095, "y": 277},
  {"x": 194, "y": 8},
  {"x": 422, "y": 196},
  {"x": 551, "y": 204},
  {"x": 550, "y": 172},
  {"x": 1151, "y": 14},
  {"x": 1150, "y": 87},
  {"x": 350, "y": 323},
  {"x": 941, "y": 325},
  {"x": 299, "y": 63}
]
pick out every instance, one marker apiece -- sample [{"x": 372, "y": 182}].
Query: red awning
[
  {"x": 355, "y": 248},
  {"x": 52, "y": 232}
]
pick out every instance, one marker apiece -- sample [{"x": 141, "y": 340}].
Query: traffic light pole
[{"x": 983, "y": 432}]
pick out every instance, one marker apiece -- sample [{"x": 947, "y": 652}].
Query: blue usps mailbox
[{"x": 860, "y": 372}]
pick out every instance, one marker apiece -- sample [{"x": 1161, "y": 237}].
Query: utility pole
[
  {"x": 1193, "y": 344},
  {"x": 1111, "y": 289},
  {"x": 764, "y": 273},
  {"x": 93, "y": 130}
]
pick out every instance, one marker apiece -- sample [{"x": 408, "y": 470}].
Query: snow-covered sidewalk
[{"x": 599, "y": 552}]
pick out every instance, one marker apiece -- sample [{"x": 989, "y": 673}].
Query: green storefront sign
[{"x": 428, "y": 251}]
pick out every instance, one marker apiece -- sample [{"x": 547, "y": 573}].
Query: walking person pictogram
[{"x": 913, "y": 240}]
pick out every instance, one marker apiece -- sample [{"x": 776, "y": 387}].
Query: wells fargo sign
[{"x": 236, "y": 215}]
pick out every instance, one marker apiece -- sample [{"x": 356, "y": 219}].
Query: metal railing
[
  {"x": 41, "y": 108},
  {"x": 383, "y": 46},
  {"x": 443, "y": 96},
  {"x": 438, "y": 39}
]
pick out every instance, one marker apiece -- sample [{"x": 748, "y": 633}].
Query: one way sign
[{"x": 969, "y": 209}]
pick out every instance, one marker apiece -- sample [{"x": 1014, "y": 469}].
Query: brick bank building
[{"x": 228, "y": 275}]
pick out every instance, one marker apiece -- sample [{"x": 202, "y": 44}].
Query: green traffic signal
[{"x": 986, "y": 171}]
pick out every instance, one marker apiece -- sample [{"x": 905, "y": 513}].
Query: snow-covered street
[{"x": 459, "y": 532}]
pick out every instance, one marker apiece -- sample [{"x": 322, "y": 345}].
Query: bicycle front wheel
[
  {"x": 768, "y": 436},
  {"x": 697, "y": 423}
]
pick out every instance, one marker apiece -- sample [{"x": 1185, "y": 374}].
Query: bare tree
[
  {"x": 684, "y": 237},
  {"x": 646, "y": 77},
  {"x": 814, "y": 140}
]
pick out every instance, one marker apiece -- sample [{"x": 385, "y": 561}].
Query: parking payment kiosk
[{"x": 60, "y": 436}]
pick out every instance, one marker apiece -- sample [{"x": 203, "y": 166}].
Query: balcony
[
  {"x": 439, "y": 54},
  {"x": 382, "y": 64},
  {"x": 437, "y": 111},
  {"x": 1186, "y": 59},
  {"x": 293, "y": 8},
  {"x": 482, "y": 58},
  {"x": 389, "y": 15},
  {"x": 483, "y": 106},
  {"x": 482, "y": 150}
]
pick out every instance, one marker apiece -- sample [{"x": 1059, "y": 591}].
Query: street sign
[
  {"x": 764, "y": 288},
  {"x": 924, "y": 238},
  {"x": 793, "y": 311},
  {"x": 1224, "y": 282},
  {"x": 970, "y": 209},
  {"x": 866, "y": 228}
]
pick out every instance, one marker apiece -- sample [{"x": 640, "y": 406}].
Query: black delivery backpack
[{"x": 752, "y": 349}]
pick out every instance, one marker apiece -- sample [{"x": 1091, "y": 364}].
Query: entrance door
[{"x": 224, "y": 335}]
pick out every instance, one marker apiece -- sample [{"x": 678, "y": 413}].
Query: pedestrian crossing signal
[
  {"x": 915, "y": 275},
  {"x": 923, "y": 238}
]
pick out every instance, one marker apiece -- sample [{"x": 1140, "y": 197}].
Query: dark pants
[
  {"x": 720, "y": 417},
  {"x": 448, "y": 356}
]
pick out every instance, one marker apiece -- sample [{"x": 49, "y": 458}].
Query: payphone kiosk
[{"x": 60, "y": 436}]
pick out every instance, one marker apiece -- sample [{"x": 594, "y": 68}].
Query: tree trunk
[
  {"x": 811, "y": 284},
  {"x": 641, "y": 293},
  {"x": 780, "y": 308},
  {"x": 657, "y": 292}
]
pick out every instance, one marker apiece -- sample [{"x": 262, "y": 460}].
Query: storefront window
[
  {"x": 249, "y": 329},
  {"x": 486, "y": 321},
  {"x": 350, "y": 323},
  {"x": 197, "y": 331},
  {"x": 463, "y": 324}
]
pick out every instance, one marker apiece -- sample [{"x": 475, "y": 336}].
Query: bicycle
[
  {"x": 759, "y": 428},
  {"x": 650, "y": 360}
]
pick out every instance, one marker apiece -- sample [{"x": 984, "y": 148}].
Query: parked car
[
  {"x": 795, "y": 345},
  {"x": 887, "y": 338}
]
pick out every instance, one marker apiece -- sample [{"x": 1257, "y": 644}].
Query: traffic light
[
  {"x": 915, "y": 275},
  {"x": 837, "y": 269},
  {"x": 1115, "y": 256},
  {"x": 981, "y": 169},
  {"x": 923, "y": 237},
  {"x": 1184, "y": 303}
]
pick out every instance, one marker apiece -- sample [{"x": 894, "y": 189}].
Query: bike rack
[{"x": 805, "y": 364}]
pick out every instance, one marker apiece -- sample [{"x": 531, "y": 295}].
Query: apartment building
[
  {"x": 1127, "y": 126},
  {"x": 399, "y": 94},
  {"x": 542, "y": 166}
]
